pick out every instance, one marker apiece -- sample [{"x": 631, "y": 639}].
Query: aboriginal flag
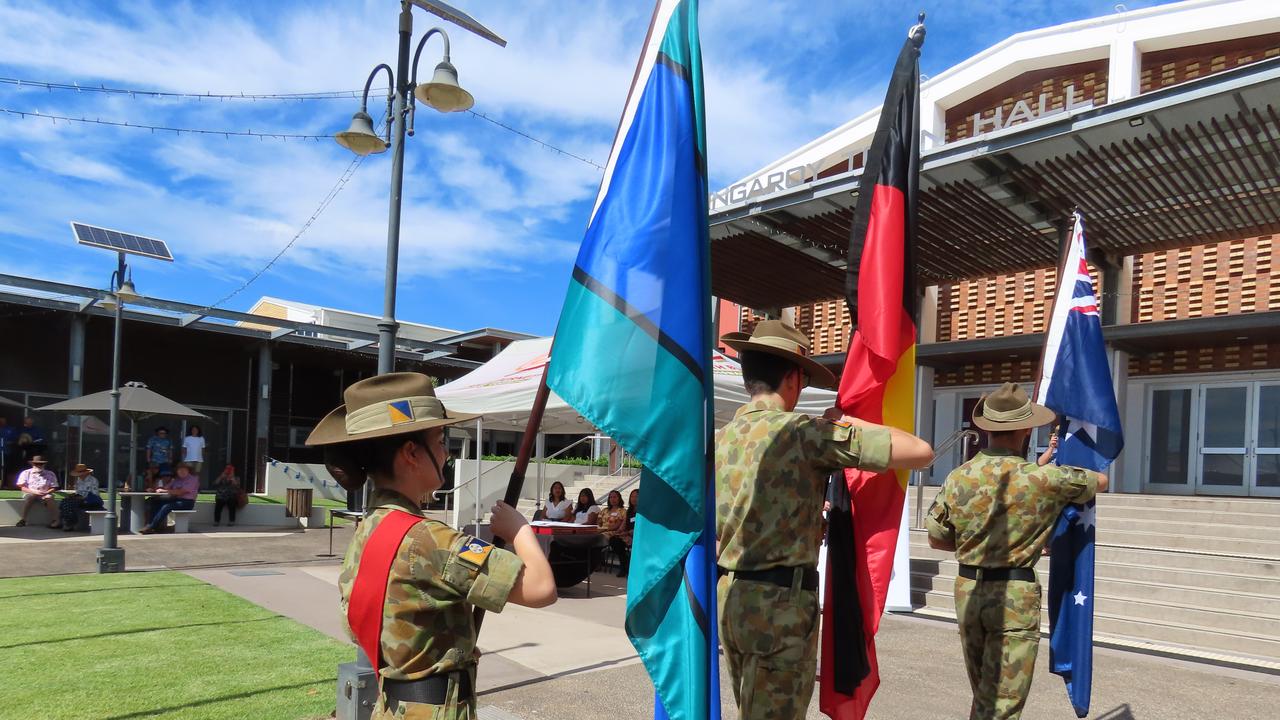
[{"x": 878, "y": 384}]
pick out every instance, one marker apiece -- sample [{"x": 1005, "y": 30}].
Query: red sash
[{"x": 369, "y": 592}]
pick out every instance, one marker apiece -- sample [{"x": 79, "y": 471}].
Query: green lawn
[{"x": 157, "y": 645}]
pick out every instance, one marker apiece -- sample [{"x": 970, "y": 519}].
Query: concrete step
[
  {"x": 1122, "y": 502},
  {"x": 1184, "y": 541},
  {"x": 1114, "y": 618},
  {"x": 1121, "y": 515},
  {"x": 1165, "y": 559},
  {"x": 1260, "y": 604},
  {"x": 1256, "y": 530},
  {"x": 1144, "y": 574},
  {"x": 1253, "y": 506},
  {"x": 1254, "y": 547}
]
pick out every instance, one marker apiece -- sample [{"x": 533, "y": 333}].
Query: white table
[{"x": 138, "y": 509}]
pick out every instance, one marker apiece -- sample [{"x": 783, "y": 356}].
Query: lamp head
[
  {"x": 443, "y": 92},
  {"x": 360, "y": 137},
  {"x": 127, "y": 292}
]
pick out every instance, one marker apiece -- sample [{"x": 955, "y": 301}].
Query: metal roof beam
[{"x": 183, "y": 309}]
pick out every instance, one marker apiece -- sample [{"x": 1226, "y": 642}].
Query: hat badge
[{"x": 400, "y": 411}]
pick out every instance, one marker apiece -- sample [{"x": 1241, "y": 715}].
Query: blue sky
[{"x": 491, "y": 220}]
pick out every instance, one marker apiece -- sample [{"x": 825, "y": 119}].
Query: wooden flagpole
[{"x": 516, "y": 482}]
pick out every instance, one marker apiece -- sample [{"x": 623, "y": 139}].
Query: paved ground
[
  {"x": 572, "y": 659},
  {"x": 923, "y": 677}
]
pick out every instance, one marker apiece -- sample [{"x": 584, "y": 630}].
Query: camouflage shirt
[
  {"x": 771, "y": 476},
  {"x": 999, "y": 509},
  {"x": 427, "y": 626}
]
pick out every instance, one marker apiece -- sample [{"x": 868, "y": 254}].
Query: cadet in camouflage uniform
[
  {"x": 997, "y": 512},
  {"x": 391, "y": 430},
  {"x": 771, "y": 472}
]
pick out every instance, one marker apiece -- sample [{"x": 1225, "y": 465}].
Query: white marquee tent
[{"x": 502, "y": 390}]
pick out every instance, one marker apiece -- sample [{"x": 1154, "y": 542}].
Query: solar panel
[{"x": 100, "y": 237}]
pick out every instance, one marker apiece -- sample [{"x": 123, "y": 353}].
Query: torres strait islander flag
[
  {"x": 632, "y": 353},
  {"x": 1075, "y": 382},
  {"x": 878, "y": 384}
]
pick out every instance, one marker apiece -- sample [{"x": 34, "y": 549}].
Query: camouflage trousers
[
  {"x": 770, "y": 638},
  {"x": 454, "y": 707},
  {"x": 1000, "y": 635}
]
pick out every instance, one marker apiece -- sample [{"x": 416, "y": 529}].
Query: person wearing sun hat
[
  {"x": 772, "y": 466},
  {"x": 84, "y": 497},
  {"x": 409, "y": 584},
  {"x": 997, "y": 512},
  {"x": 37, "y": 485}
]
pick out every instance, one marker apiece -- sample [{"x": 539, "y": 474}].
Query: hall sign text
[{"x": 1023, "y": 111}]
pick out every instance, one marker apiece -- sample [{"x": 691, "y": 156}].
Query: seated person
[
  {"x": 179, "y": 494},
  {"x": 613, "y": 519},
  {"x": 226, "y": 489},
  {"x": 558, "y": 506},
  {"x": 620, "y": 542},
  {"x": 83, "y": 498},
  {"x": 37, "y": 485},
  {"x": 586, "y": 512}
]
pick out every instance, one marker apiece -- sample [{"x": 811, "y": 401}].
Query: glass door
[
  {"x": 1266, "y": 456},
  {"x": 1226, "y": 427},
  {"x": 1168, "y": 447}
]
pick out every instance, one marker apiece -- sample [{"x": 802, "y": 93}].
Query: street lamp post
[
  {"x": 442, "y": 93},
  {"x": 110, "y": 555},
  {"x": 357, "y": 682}
]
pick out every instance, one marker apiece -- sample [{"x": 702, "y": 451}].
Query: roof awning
[{"x": 1197, "y": 162}]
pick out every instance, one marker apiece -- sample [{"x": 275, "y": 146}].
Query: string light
[
  {"x": 253, "y": 97},
  {"x": 154, "y": 128},
  {"x": 324, "y": 204}
]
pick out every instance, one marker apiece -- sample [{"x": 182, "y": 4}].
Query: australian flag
[{"x": 1075, "y": 382}]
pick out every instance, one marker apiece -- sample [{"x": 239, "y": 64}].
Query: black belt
[
  {"x": 1002, "y": 574},
  {"x": 783, "y": 576},
  {"x": 432, "y": 690}
]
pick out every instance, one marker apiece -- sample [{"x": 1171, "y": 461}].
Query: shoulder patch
[
  {"x": 841, "y": 423},
  {"x": 475, "y": 551}
]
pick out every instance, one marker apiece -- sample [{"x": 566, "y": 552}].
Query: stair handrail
[
  {"x": 474, "y": 478},
  {"x": 964, "y": 436},
  {"x": 553, "y": 455}
]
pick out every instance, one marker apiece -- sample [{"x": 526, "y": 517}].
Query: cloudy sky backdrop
[{"x": 491, "y": 220}]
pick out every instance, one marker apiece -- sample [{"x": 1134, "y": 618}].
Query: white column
[
  {"x": 1124, "y": 71},
  {"x": 541, "y": 446},
  {"x": 476, "y": 490},
  {"x": 1133, "y": 435}
]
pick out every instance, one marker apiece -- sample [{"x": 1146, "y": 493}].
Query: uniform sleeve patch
[
  {"x": 842, "y": 423},
  {"x": 475, "y": 551}
]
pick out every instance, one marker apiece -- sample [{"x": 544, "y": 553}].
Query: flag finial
[{"x": 916, "y": 33}]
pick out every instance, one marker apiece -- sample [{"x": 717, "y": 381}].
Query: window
[{"x": 1170, "y": 437}]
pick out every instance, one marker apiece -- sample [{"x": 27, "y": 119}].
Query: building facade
[
  {"x": 1163, "y": 127},
  {"x": 263, "y": 378}
]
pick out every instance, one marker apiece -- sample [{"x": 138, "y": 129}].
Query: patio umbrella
[
  {"x": 10, "y": 403},
  {"x": 136, "y": 402}
]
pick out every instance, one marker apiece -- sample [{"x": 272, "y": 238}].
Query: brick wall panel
[{"x": 1172, "y": 67}]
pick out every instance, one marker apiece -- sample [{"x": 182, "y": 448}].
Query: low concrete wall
[
  {"x": 251, "y": 515},
  {"x": 282, "y": 476}
]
